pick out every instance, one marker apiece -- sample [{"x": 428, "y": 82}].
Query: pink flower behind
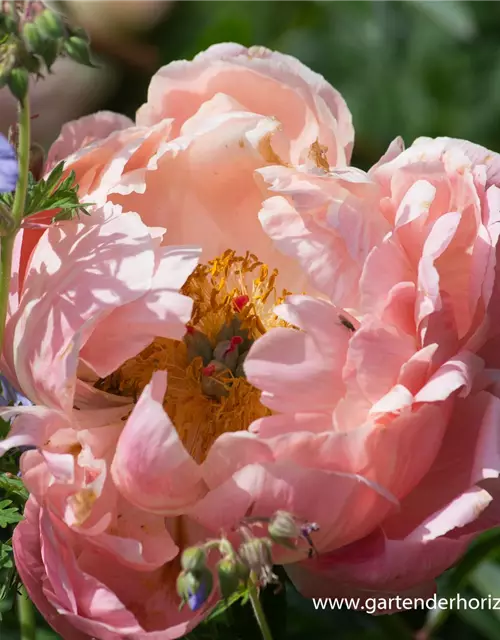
[{"x": 395, "y": 377}]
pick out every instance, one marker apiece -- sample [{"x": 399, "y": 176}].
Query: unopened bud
[
  {"x": 193, "y": 559},
  {"x": 49, "y": 52},
  {"x": 32, "y": 37},
  {"x": 283, "y": 529},
  {"x": 231, "y": 573},
  {"x": 78, "y": 50},
  {"x": 18, "y": 83},
  {"x": 49, "y": 24},
  {"x": 194, "y": 589},
  {"x": 187, "y": 584}
]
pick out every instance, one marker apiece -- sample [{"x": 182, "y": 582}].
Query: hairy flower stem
[
  {"x": 26, "y": 616},
  {"x": 7, "y": 242},
  {"x": 258, "y": 610}
]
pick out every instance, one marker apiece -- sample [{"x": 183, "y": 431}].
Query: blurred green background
[{"x": 405, "y": 68}]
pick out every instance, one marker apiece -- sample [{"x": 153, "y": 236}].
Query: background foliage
[{"x": 410, "y": 68}]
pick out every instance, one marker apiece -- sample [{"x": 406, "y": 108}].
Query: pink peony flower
[
  {"x": 395, "y": 375},
  {"x": 189, "y": 162},
  {"x": 131, "y": 463},
  {"x": 127, "y": 471}
]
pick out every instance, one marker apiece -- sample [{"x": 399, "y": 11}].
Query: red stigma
[
  {"x": 235, "y": 341},
  {"x": 209, "y": 370},
  {"x": 240, "y": 301},
  {"x": 189, "y": 329}
]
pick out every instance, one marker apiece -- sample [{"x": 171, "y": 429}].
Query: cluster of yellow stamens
[{"x": 207, "y": 392}]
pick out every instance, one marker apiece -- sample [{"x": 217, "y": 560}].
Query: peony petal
[{"x": 151, "y": 467}]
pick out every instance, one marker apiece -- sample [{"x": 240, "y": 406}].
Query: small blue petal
[
  {"x": 9, "y": 169},
  {"x": 9, "y": 396},
  {"x": 196, "y": 600}
]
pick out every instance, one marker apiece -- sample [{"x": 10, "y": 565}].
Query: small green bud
[
  {"x": 7, "y": 63},
  {"x": 283, "y": 529},
  {"x": 31, "y": 63},
  {"x": 229, "y": 580},
  {"x": 193, "y": 559},
  {"x": 49, "y": 52},
  {"x": 50, "y": 24},
  {"x": 187, "y": 584},
  {"x": 79, "y": 32},
  {"x": 32, "y": 37},
  {"x": 194, "y": 589},
  {"x": 18, "y": 83},
  {"x": 8, "y": 24},
  {"x": 78, "y": 49}
]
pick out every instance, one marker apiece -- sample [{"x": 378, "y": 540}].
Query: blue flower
[
  {"x": 9, "y": 396},
  {"x": 8, "y": 166}
]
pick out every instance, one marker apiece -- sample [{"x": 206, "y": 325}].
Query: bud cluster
[
  {"x": 251, "y": 560},
  {"x": 32, "y": 37}
]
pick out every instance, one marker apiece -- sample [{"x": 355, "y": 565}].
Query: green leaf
[
  {"x": 8, "y": 514},
  {"x": 486, "y": 580},
  {"x": 55, "y": 192},
  {"x": 13, "y": 486}
]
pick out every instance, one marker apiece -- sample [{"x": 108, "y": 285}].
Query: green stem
[
  {"x": 26, "y": 616},
  {"x": 258, "y": 610},
  {"x": 7, "y": 242}
]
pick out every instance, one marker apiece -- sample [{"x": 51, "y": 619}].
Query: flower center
[{"x": 207, "y": 392}]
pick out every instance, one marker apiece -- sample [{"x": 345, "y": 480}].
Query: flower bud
[
  {"x": 187, "y": 584},
  {"x": 50, "y": 25},
  {"x": 194, "y": 589},
  {"x": 49, "y": 52},
  {"x": 231, "y": 573},
  {"x": 32, "y": 37},
  {"x": 283, "y": 529},
  {"x": 193, "y": 559},
  {"x": 78, "y": 50},
  {"x": 18, "y": 83}
]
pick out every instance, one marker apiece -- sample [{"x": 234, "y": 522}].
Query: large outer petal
[
  {"x": 83, "y": 593},
  {"x": 345, "y": 506},
  {"x": 151, "y": 467},
  {"x": 264, "y": 82},
  {"x": 327, "y": 221},
  {"x": 77, "y": 273}
]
